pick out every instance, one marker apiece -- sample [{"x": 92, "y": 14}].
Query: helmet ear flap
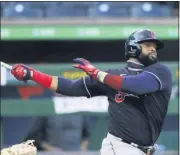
[{"x": 132, "y": 49}]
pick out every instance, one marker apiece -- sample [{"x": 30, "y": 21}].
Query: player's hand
[
  {"x": 86, "y": 66},
  {"x": 21, "y": 72}
]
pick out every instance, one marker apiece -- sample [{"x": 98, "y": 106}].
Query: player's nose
[{"x": 153, "y": 49}]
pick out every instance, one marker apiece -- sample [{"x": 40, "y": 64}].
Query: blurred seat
[
  {"x": 3, "y": 5},
  {"x": 150, "y": 10},
  {"x": 114, "y": 9},
  {"x": 66, "y": 9},
  {"x": 21, "y": 9},
  {"x": 39, "y": 4}
]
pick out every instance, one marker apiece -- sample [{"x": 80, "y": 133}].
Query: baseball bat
[{"x": 3, "y": 64}]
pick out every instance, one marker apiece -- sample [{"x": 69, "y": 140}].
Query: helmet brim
[{"x": 158, "y": 43}]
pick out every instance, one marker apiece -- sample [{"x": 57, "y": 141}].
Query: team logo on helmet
[{"x": 153, "y": 35}]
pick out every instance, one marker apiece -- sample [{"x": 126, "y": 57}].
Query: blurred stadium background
[{"x": 48, "y": 35}]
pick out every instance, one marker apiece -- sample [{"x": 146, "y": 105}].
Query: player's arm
[
  {"x": 150, "y": 80},
  {"x": 137, "y": 84},
  {"x": 58, "y": 84},
  {"x": 80, "y": 87}
]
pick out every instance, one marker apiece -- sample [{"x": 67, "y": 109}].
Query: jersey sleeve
[
  {"x": 71, "y": 87},
  {"x": 85, "y": 86},
  {"x": 161, "y": 73},
  {"x": 94, "y": 87}
]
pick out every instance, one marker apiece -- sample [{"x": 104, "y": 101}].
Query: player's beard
[{"x": 147, "y": 59}]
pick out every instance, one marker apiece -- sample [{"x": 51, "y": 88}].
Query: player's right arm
[{"x": 79, "y": 87}]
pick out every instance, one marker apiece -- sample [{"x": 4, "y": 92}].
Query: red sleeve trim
[
  {"x": 44, "y": 80},
  {"x": 113, "y": 81}
]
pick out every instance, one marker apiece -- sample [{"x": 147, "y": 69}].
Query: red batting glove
[
  {"x": 21, "y": 72},
  {"x": 86, "y": 66}
]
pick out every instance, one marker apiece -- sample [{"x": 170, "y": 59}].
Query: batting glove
[
  {"x": 86, "y": 66},
  {"x": 21, "y": 72}
]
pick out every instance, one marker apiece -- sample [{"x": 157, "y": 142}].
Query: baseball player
[{"x": 138, "y": 94}]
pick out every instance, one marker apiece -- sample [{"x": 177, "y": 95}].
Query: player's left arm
[{"x": 152, "y": 79}]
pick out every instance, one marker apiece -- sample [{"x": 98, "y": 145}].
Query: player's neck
[{"x": 135, "y": 61}]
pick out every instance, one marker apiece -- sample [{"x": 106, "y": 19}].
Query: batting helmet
[{"x": 132, "y": 45}]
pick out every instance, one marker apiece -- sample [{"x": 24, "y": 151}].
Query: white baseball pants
[{"x": 112, "y": 145}]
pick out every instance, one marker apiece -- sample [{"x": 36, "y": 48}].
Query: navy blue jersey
[
  {"x": 135, "y": 117},
  {"x": 156, "y": 104}
]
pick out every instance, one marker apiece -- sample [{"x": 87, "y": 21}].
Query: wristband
[{"x": 101, "y": 75}]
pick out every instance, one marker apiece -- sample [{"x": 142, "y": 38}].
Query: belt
[{"x": 145, "y": 149}]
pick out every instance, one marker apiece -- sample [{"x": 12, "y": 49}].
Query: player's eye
[{"x": 150, "y": 45}]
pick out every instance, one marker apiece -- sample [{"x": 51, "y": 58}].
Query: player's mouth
[{"x": 153, "y": 54}]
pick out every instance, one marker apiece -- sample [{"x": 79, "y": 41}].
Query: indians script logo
[{"x": 120, "y": 97}]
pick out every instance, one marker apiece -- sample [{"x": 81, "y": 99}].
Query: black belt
[{"x": 145, "y": 149}]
